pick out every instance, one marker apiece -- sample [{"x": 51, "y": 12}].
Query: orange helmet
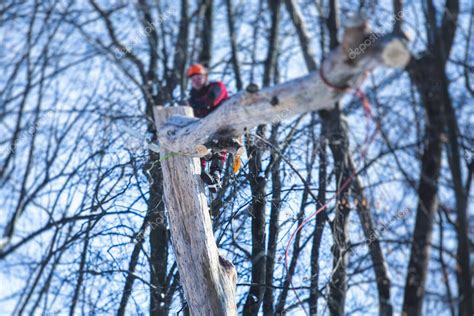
[{"x": 196, "y": 69}]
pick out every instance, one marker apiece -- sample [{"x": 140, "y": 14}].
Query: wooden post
[{"x": 209, "y": 280}]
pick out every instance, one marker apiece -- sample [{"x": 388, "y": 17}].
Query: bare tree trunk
[
  {"x": 209, "y": 280},
  {"x": 233, "y": 45},
  {"x": 127, "y": 289},
  {"x": 339, "y": 146},
  {"x": 442, "y": 262},
  {"x": 429, "y": 75},
  {"x": 423, "y": 71},
  {"x": 375, "y": 250},
  {"x": 82, "y": 264},
  {"x": 273, "y": 226},
  {"x": 336, "y": 133},
  {"x": 305, "y": 41},
  {"x": 462, "y": 255},
  {"x": 258, "y": 182},
  {"x": 178, "y": 73},
  {"x": 158, "y": 238},
  {"x": 321, "y": 220},
  {"x": 257, "y": 185},
  {"x": 206, "y": 32}
]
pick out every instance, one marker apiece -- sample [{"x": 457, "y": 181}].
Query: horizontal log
[{"x": 345, "y": 66}]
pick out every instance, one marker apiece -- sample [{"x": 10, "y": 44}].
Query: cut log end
[
  {"x": 355, "y": 20},
  {"x": 201, "y": 150},
  {"x": 395, "y": 54},
  {"x": 229, "y": 269}
]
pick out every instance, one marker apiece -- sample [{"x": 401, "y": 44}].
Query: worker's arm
[{"x": 217, "y": 94}]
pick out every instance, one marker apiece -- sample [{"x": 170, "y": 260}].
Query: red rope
[{"x": 368, "y": 140}]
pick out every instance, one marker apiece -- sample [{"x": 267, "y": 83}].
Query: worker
[{"x": 204, "y": 98}]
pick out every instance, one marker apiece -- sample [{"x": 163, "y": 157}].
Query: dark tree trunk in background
[
  {"x": 258, "y": 180},
  {"x": 321, "y": 220},
  {"x": 132, "y": 265},
  {"x": 206, "y": 32},
  {"x": 273, "y": 226},
  {"x": 273, "y": 47},
  {"x": 178, "y": 73},
  {"x": 375, "y": 249},
  {"x": 339, "y": 147},
  {"x": 158, "y": 238},
  {"x": 233, "y": 45},
  {"x": 425, "y": 73},
  {"x": 257, "y": 214},
  {"x": 429, "y": 76}
]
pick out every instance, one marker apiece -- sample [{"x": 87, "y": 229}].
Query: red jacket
[{"x": 208, "y": 98}]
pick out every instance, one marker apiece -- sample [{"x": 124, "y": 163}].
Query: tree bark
[
  {"x": 206, "y": 33},
  {"x": 258, "y": 182},
  {"x": 462, "y": 254},
  {"x": 233, "y": 45},
  {"x": 257, "y": 214},
  {"x": 273, "y": 226},
  {"x": 339, "y": 146},
  {"x": 209, "y": 280},
  {"x": 321, "y": 220},
  {"x": 423, "y": 72},
  {"x": 375, "y": 250},
  {"x": 158, "y": 238}
]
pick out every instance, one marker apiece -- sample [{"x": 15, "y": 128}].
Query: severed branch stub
[{"x": 345, "y": 66}]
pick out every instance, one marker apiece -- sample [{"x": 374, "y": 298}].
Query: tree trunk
[
  {"x": 321, "y": 219},
  {"x": 424, "y": 72},
  {"x": 158, "y": 238},
  {"x": 233, "y": 45},
  {"x": 273, "y": 226},
  {"x": 257, "y": 215},
  {"x": 339, "y": 146},
  {"x": 375, "y": 250},
  {"x": 258, "y": 182},
  {"x": 206, "y": 33},
  {"x": 462, "y": 254},
  {"x": 209, "y": 280}
]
